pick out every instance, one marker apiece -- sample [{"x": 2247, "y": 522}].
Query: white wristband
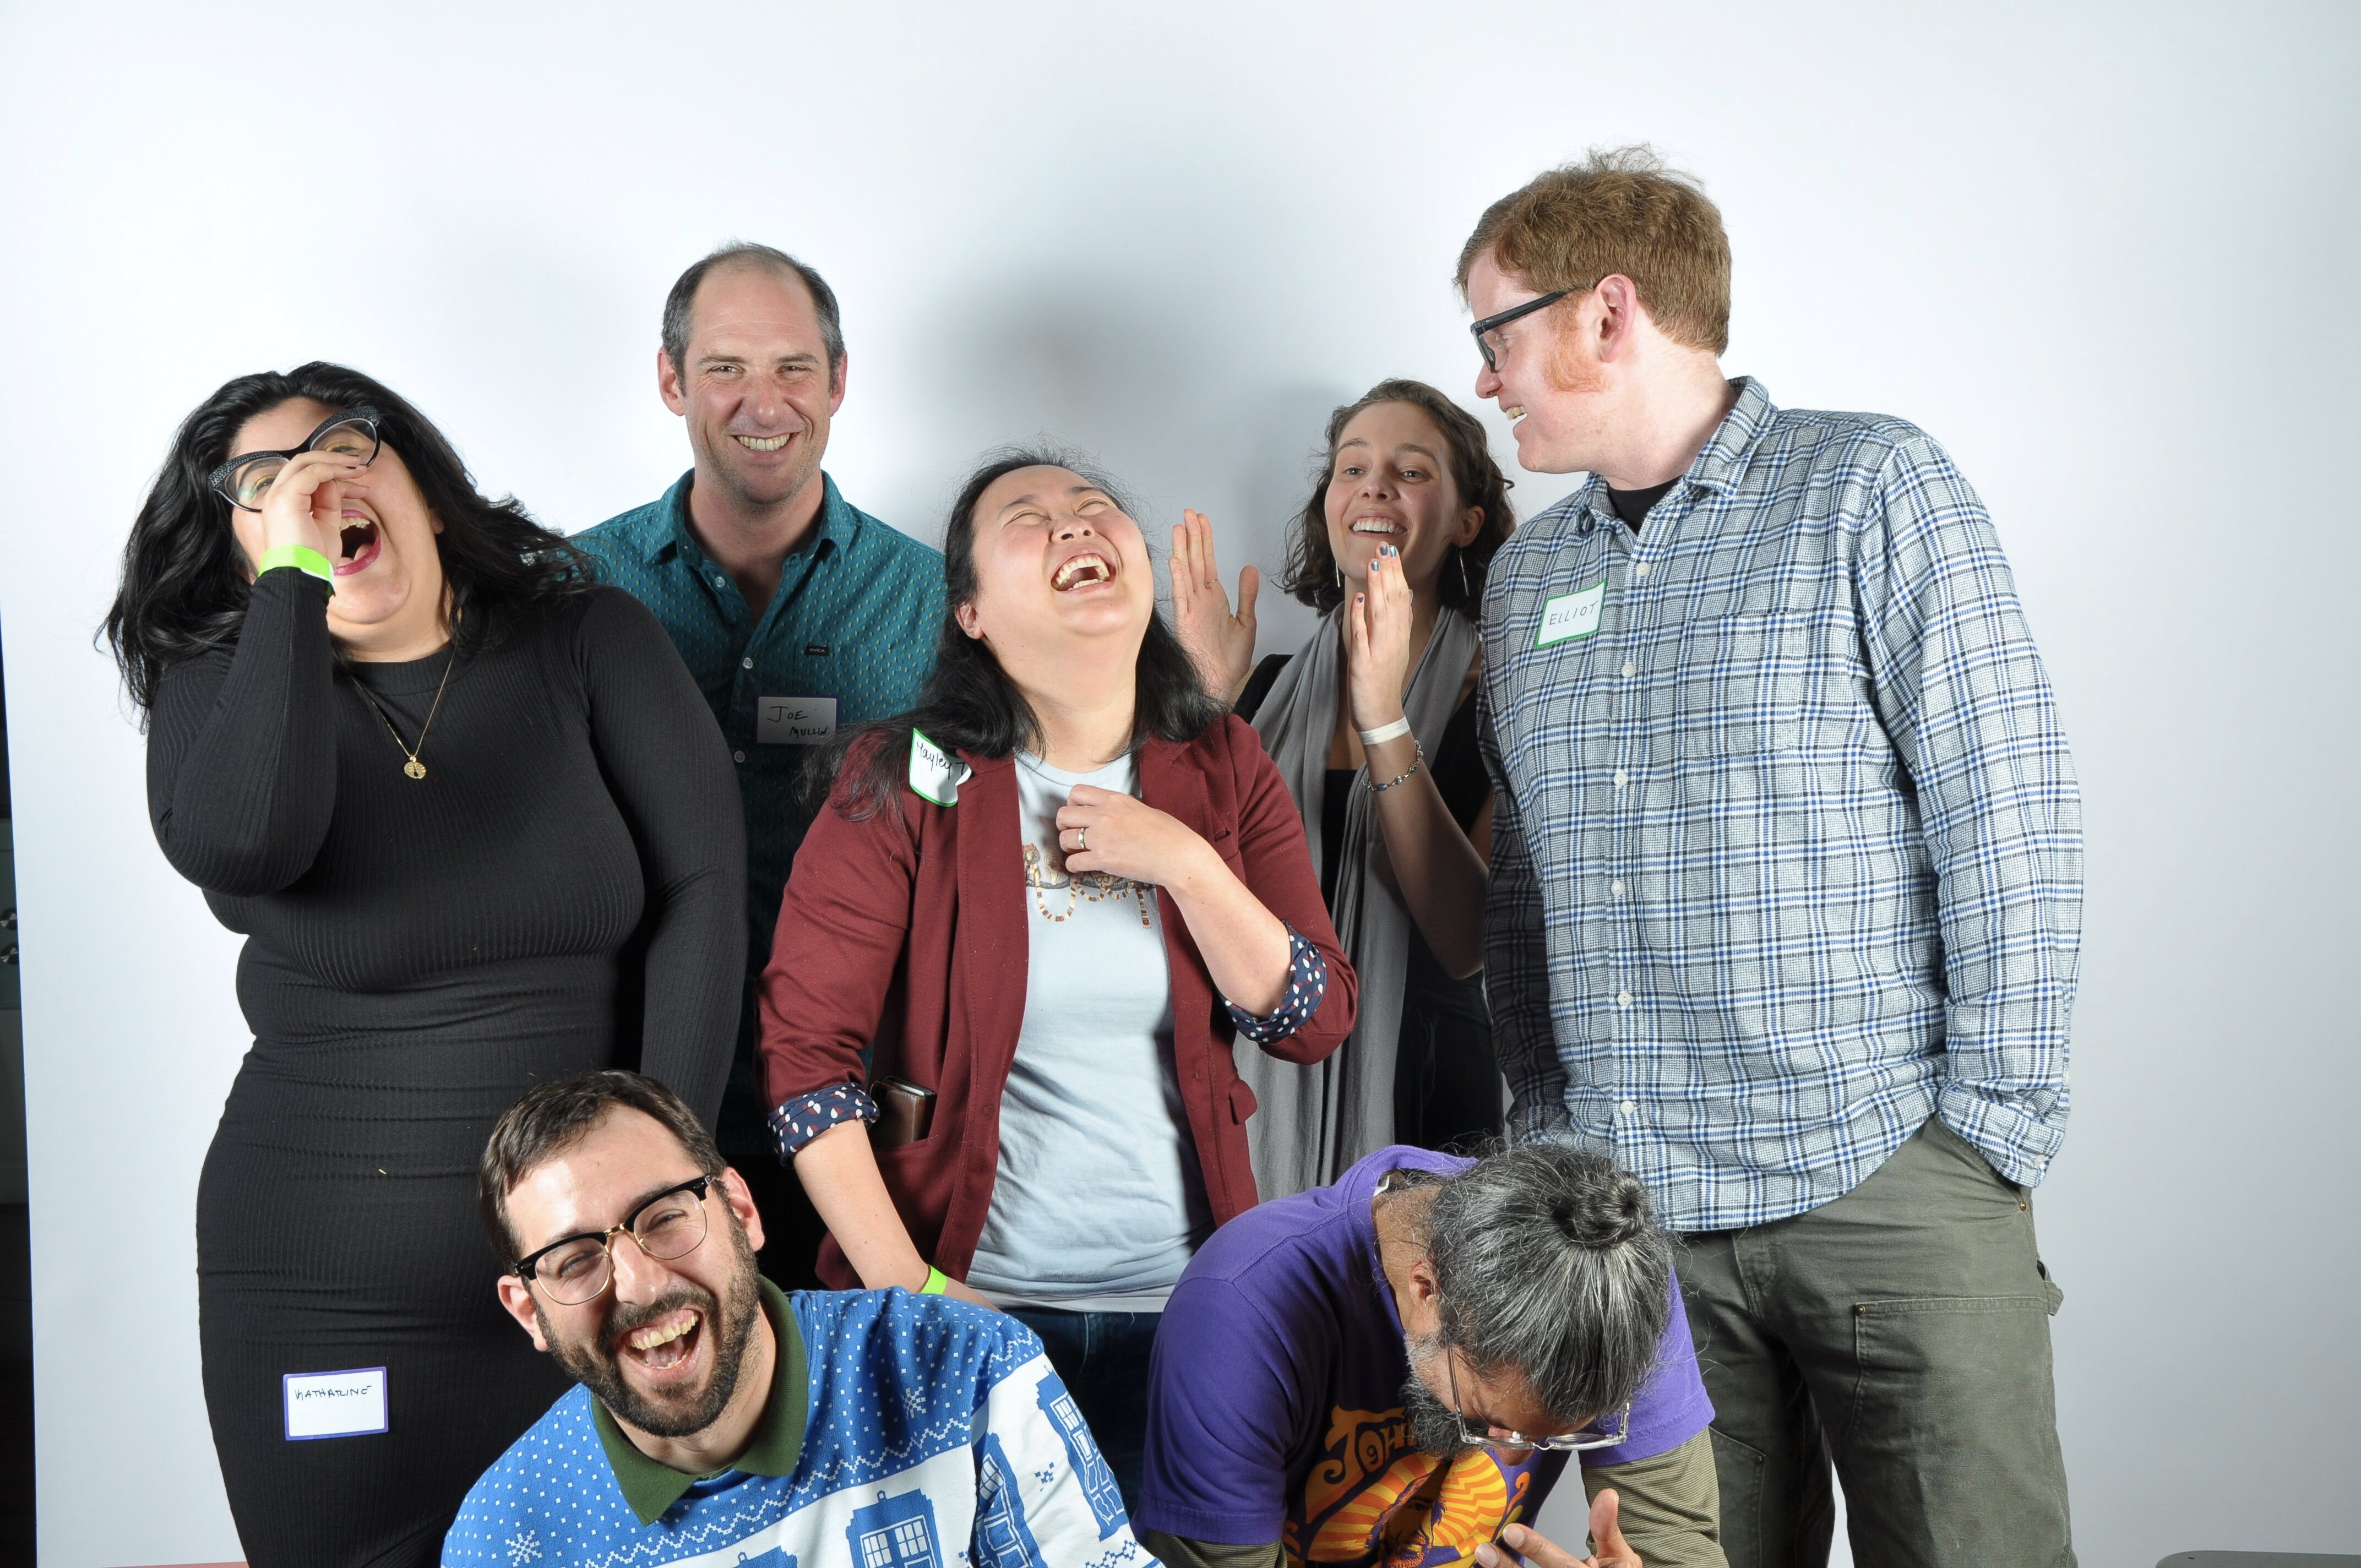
[{"x": 1376, "y": 737}]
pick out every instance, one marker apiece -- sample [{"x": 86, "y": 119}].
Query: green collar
[{"x": 651, "y": 1488}]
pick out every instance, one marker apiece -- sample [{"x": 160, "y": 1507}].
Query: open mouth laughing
[
  {"x": 358, "y": 544},
  {"x": 666, "y": 1344},
  {"x": 1080, "y": 571},
  {"x": 1379, "y": 524}
]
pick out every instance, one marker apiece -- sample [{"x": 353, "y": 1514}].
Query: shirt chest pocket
[{"x": 1743, "y": 687}]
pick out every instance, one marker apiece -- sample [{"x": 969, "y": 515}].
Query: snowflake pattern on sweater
[{"x": 938, "y": 1436}]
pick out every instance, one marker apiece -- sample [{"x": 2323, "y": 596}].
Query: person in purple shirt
[{"x": 1396, "y": 1368}]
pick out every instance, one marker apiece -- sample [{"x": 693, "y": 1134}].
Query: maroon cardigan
[{"x": 904, "y": 930}]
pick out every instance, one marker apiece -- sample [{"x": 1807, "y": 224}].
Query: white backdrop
[{"x": 2107, "y": 257}]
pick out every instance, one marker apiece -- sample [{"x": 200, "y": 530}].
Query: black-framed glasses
[
  {"x": 577, "y": 1269},
  {"x": 1484, "y": 345},
  {"x": 244, "y": 479},
  {"x": 1595, "y": 1436}
]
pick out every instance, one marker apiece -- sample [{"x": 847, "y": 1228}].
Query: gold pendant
[{"x": 414, "y": 768}]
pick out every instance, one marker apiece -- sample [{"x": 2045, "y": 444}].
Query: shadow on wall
[{"x": 1144, "y": 385}]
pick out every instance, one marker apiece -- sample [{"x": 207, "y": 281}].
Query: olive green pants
[{"x": 1902, "y": 1332}]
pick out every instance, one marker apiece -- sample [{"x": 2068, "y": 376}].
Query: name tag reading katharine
[{"x": 335, "y": 1404}]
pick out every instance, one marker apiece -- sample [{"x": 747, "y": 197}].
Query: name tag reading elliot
[
  {"x": 335, "y": 1404},
  {"x": 1572, "y": 615},
  {"x": 794, "y": 720}
]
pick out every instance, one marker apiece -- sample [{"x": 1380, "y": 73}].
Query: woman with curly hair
[
  {"x": 1372, "y": 723},
  {"x": 479, "y": 831}
]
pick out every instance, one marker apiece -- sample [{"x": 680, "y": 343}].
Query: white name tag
[
  {"x": 794, "y": 720},
  {"x": 335, "y": 1404},
  {"x": 935, "y": 773},
  {"x": 1572, "y": 615}
]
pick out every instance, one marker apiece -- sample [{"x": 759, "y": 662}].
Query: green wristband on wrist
[
  {"x": 302, "y": 557},
  {"x": 937, "y": 1282}
]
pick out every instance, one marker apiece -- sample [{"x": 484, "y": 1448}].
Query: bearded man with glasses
[
  {"x": 1399, "y": 1368},
  {"x": 720, "y": 1419}
]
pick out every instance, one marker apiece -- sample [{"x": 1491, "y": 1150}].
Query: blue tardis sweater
[{"x": 938, "y": 1436}]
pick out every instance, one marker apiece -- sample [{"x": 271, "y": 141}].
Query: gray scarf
[{"x": 1316, "y": 1121}]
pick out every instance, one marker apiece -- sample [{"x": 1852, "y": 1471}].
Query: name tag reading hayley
[
  {"x": 335, "y": 1404},
  {"x": 935, "y": 773},
  {"x": 1572, "y": 615},
  {"x": 794, "y": 720}
]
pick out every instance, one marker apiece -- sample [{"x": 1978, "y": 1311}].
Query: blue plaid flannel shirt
[{"x": 1787, "y": 848}]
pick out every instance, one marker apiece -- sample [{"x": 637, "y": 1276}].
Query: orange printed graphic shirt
[
  {"x": 1275, "y": 1398},
  {"x": 1373, "y": 1497}
]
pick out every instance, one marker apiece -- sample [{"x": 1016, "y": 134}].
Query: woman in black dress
[
  {"x": 479, "y": 831},
  {"x": 1373, "y": 724}
]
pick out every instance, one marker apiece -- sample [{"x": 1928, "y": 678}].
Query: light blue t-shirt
[{"x": 1098, "y": 1203}]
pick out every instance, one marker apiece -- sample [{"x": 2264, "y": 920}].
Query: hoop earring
[
  {"x": 1340, "y": 575},
  {"x": 1464, "y": 591}
]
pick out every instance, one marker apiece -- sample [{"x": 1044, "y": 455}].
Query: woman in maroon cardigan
[{"x": 1047, "y": 901}]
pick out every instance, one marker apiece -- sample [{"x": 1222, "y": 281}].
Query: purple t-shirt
[{"x": 1274, "y": 1404}]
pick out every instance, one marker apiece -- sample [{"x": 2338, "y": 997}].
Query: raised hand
[
  {"x": 1523, "y": 1544},
  {"x": 1221, "y": 644},
  {"x": 1376, "y": 643},
  {"x": 305, "y": 502}
]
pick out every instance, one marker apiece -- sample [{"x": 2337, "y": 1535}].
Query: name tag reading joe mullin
[
  {"x": 794, "y": 720},
  {"x": 335, "y": 1404},
  {"x": 1572, "y": 615}
]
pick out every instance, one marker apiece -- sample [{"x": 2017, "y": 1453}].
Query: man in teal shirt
[{"x": 799, "y": 614}]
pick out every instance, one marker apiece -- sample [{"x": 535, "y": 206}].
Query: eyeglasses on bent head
[
  {"x": 1595, "y": 1436},
  {"x": 244, "y": 479},
  {"x": 1484, "y": 344},
  {"x": 575, "y": 1269}
]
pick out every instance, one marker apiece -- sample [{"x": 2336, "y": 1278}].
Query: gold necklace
[{"x": 413, "y": 767}]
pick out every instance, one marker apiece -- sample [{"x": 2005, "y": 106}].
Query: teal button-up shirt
[{"x": 854, "y": 619}]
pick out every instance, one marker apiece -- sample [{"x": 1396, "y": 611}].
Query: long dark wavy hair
[
  {"x": 969, "y": 703},
  {"x": 1310, "y": 571},
  {"x": 185, "y": 588}
]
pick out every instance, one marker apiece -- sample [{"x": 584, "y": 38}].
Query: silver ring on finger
[{"x": 1082, "y": 840}]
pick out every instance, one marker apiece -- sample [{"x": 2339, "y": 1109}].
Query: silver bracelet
[
  {"x": 1387, "y": 732},
  {"x": 1403, "y": 778}
]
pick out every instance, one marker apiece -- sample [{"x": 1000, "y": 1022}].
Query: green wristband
[
  {"x": 937, "y": 1282},
  {"x": 302, "y": 557}
]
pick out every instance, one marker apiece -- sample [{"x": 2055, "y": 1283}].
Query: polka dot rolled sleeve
[
  {"x": 1307, "y": 983},
  {"x": 798, "y": 1121}
]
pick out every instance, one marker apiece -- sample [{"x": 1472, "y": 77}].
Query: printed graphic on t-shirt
[
  {"x": 1056, "y": 890},
  {"x": 1373, "y": 1497}
]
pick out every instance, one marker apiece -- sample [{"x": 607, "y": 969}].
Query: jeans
[
  {"x": 1102, "y": 1359},
  {"x": 1903, "y": 1332}
]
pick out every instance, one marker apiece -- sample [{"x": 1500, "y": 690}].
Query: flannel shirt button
[
  {"x": 1622, "y": 999},
  {"x": 1621, "y": 778},
  {"x": 1640, "y": 570},
  {"x": 1616, "y": 887},
  {"x": 1626, "y": 1108},
  {"x": 1629, "y": 669}
]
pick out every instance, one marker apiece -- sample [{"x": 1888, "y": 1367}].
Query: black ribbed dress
[{"x": 419, "y": 953}]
